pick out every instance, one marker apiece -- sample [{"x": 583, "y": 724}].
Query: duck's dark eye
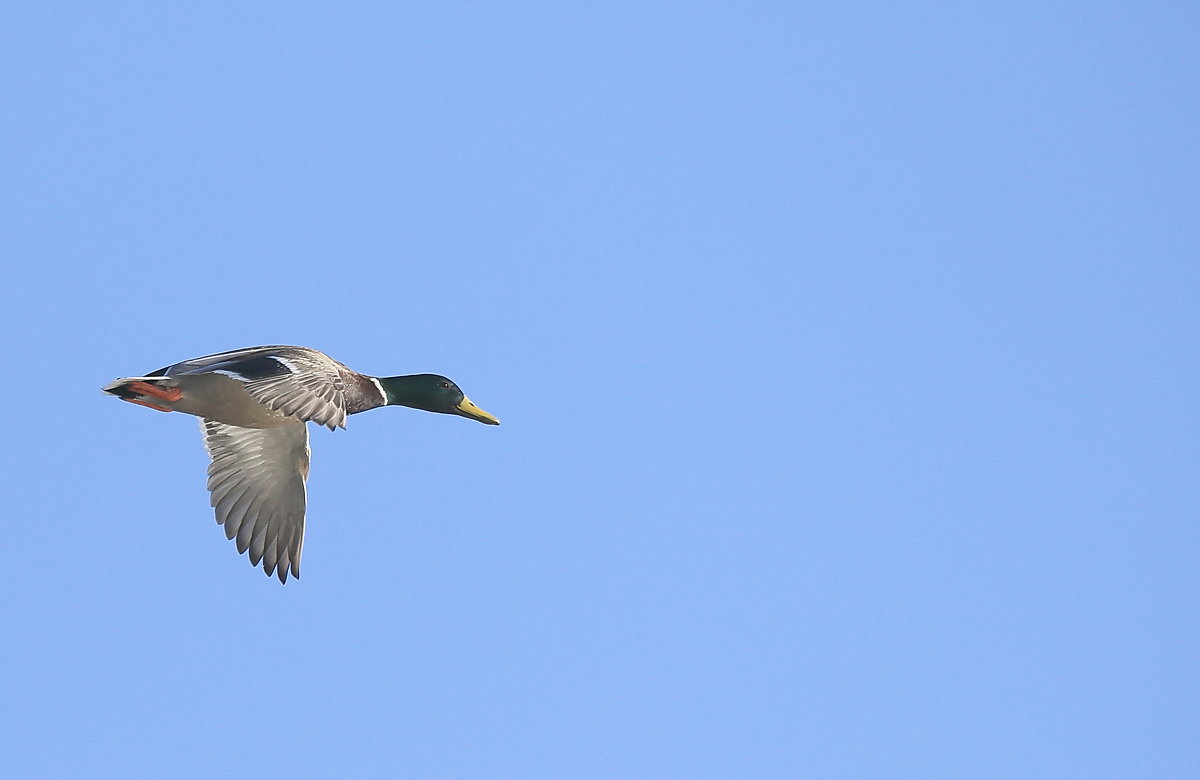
[{"x": 444, "y": 385}]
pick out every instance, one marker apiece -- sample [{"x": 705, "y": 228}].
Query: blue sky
[{"x": 845, "y": 353}]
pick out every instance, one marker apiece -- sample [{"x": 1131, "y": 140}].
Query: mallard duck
[{"x": 254, "y": 405}]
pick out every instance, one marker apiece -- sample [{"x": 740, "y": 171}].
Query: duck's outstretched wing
[{"x": 256, "y": 479}]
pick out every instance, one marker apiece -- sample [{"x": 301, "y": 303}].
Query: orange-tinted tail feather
[{"x": 139, "y": 389}]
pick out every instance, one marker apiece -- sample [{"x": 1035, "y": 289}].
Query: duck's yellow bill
[{"x": 468, "y": 409}]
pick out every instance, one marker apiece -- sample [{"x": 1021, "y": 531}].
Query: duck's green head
[{"x": 432, "y": 393}]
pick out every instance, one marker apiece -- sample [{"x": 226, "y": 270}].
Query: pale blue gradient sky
[{"x": 846, "y": 355}]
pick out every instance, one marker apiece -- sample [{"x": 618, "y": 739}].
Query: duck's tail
[{"x": 151, "y": 391}]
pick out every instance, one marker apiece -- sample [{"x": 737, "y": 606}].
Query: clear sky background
[{"x": 845, "y": 353}]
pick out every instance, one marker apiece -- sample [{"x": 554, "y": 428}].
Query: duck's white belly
[{"x": 225, "y": 400}]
